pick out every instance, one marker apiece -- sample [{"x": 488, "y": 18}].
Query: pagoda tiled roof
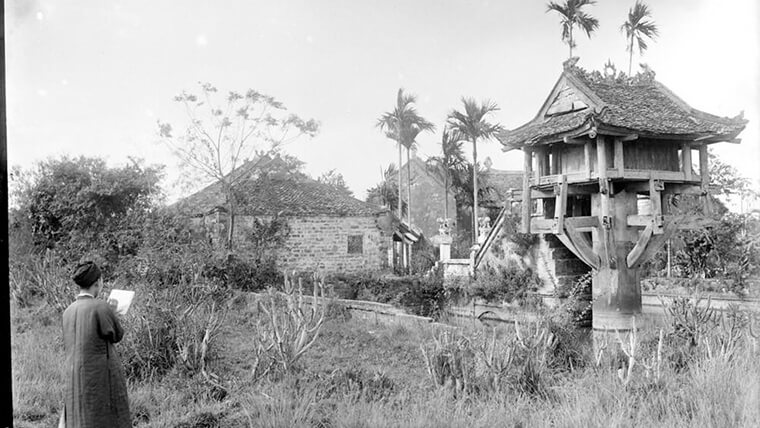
[{"x": 638, "y": 105}]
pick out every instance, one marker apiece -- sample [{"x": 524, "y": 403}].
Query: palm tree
[
  {"x": 572, "y": 16},
  {"x": 472, "y": 125},
  {"x": 449, "y": 163},
  {"x": 403, "y": 125},
  {"x": 637, "y": 27},
  {"x": 384, "y": 193}
]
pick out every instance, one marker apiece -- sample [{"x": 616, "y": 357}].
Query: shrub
[
  {"x": 241, "y": 274},
  {"x": 487, "y": 364},
  {"x": 288, "y": 327},
  {"x": 425, "y": 295},
  {"x": 504, "y": 283},
  {"x": 180, "y": 305},
  {"x": 32, "y": 277}
]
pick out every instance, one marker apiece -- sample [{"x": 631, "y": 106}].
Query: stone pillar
[
  {"x": 616, "y": 289},
  {"x": 444, "y": 233},
  {"x": 445, "y": 248}
]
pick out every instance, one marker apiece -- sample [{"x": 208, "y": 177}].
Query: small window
[{"x": 355, "y": 244}]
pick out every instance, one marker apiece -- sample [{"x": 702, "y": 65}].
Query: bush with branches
[{"x": 289, "y": 324}]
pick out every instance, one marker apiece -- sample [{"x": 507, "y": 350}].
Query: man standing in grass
[{"x": 96, "y": 390}]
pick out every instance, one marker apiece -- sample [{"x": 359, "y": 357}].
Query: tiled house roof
[
  {"x": 638, "y": 105},
  {"x": 268, "y": 193}
]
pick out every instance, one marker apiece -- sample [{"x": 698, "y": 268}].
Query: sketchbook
[{"x": 123, "y": 300}]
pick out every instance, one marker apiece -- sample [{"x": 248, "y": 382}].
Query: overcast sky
[{"x": 92, "y": 77}]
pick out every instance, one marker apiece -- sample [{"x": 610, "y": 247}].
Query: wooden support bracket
[
  {"x": 648, "y": 249},
  {"x": 635, "y": 254},
  {"x": 582, "y": 246},
  {"x": 655, "y": 196}
]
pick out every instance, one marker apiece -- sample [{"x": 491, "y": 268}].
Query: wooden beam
[
  {"x": 542, "y": 225},
  {"x": 573, "y": 140},
  {"x": 686, "y": 160},
  {"x": 704, "y": 170},
  {"x": 560, "y": 205},
  {"x": 619, "y": 157},
  {"x": 671, "y": 188},
  {"x": 582, "y": 246},
  {"x": 685, "y": 222},
  {"x": 541, "y": 161},
  {"x": 587, "y": 159},
  {"x": 641, "y": 244},
  {"x": 655, "y": 197},
  {"x": 630, "y": 137},
  {"x": 704, "y": 174},
  {"x": 583, "y": 222},
  {"x": 601, "y": 162},
  {"x": 601, "y": 157},
  {"x": 555, "y": 163},
  {"x": 527, "y": 201}
]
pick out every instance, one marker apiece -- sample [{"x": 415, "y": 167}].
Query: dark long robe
[{"x": 96, "y": 391}]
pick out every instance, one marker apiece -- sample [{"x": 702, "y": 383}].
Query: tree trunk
[
  {"x": 446, "y": 195},
  {"x": 409, "y": 200},
  {"x": 475, "y": 189},
  {"x": 630, "y": 56},
  {"x": 400, "y": 202},
  {"x": 231, "y": 218},
  {"x": 408, "y": 188}
]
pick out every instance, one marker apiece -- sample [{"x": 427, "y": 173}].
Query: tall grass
[
  {"x": 37, "y": 365},
  {"x": 361, "y": 374}
]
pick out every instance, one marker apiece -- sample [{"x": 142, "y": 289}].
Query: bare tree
[{"x": 224, "y": 132}]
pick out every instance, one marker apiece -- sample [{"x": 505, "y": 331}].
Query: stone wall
[{"x": 322, "y": 244}]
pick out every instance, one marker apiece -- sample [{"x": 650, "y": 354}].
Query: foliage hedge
[{"x": 420, "y": 294}]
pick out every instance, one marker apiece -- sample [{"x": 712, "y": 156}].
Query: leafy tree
[
  {"x": 402, "y": 125},
  {"x": 80, "y": 206},
  {"x": 725, "y": 178},
  {"x": 638, "y": 27},
  {"x": 450, "y": 162},
  {"x": 463, "y": 185},
  {"x": 472, "y": 125},
  {"x": 223, "y": 132},
  {"x": 335, "y": 179},
  {"x": 384, "y": 193},
  {"x": 572, "y": 16}
]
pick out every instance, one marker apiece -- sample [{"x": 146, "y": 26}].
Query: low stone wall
[{"x": 482, "y": 313}]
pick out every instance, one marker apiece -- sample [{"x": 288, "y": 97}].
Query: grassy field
[{"x": 361, "y": 374}]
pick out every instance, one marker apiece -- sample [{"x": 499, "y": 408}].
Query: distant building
[{"x": 428, "y": 197}]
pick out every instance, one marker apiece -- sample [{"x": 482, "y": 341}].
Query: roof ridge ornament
[{"x": 570, "y": 63}]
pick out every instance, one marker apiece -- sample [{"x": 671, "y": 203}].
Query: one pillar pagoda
[{"x": 602, "y": 145}]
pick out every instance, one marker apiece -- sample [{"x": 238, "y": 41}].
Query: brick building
[{"x": 329, "y": 231}]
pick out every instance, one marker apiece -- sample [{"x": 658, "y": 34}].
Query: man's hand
[{"x": 113, "y": 303}]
